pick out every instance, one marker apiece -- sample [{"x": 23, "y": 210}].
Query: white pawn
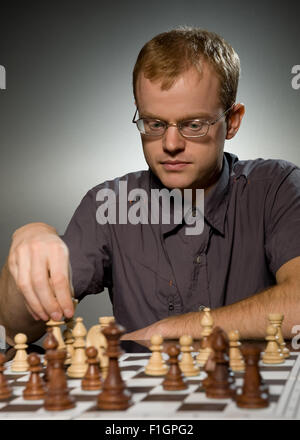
[
  {"x": 19, "y": 362},
  {"x": 187, "y": 364},
  {"x": 236, "y": 361},
  {"x": 78, "y": 367},
  {"x": 156, "y": 365},
  {"x": 207, "y": 323},
  {"x": 276, "y": 320},
  {"x": 272, "y": 353}
]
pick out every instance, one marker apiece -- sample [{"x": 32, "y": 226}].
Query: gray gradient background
[{"x": 69, "y": 68}]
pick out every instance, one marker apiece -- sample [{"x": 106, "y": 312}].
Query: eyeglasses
[{"x": 189, "y": 128}]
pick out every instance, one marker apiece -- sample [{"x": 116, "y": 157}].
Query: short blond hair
[{"x": 169, "y": 54}]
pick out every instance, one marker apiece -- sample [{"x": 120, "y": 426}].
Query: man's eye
[
  {"x": 193, "y": 125},
  {"x": 155, "y": 124}
]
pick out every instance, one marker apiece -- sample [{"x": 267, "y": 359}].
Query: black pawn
[
  {"x": 35, "y": 388},
  {"x": 5, "y": 389},
  {"x": 254, "y": 393},
  {"x": 174, "y": 378}
]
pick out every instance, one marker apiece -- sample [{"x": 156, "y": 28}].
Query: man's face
[{"x": 198, "y": 160}]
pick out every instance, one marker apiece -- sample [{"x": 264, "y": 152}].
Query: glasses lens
[
  {"x": 151, "y": 126},
  {"x": 193, "y": 128}
]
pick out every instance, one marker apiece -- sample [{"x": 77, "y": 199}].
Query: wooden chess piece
[
  {"x": 79, "y": 366},
  {"x": 236, "y": 360},
  {"x": 55, "y": 325},
  {"x": 92, "y": 379},
  {"x": 221, "y": 383},
  {"x": 272, "y": 354},
  {"x": 35, "y": 388},
  {"x": 96, "y": 338},
  {"x": 69, "y": 341},
  {"x": 156, "y": 365},
  {"x": 57, "y": 396},
  {"x": 19, "y": 363},
  {"x": 104, "y": 321},
  {"x": 174, "y": 379},
  {"x": 253, "y": 394},
  {"x": 114, "y": 395},
  {"x": 5, "y": 389},
  {"x": 67, "y": 334},
  {"x": 207, "y": 323},
  {"x": 187, "y": 364},
  {"x": 209, "y": 368},
  {"x": 70, "y": 322},
  {"x": 50, "y": 343},
  {"x": 276, "y": 319}
]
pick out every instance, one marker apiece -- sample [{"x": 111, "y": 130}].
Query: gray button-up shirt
[{"x": 252, "y": 227}]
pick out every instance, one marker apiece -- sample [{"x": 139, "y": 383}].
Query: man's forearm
[
  {"x": 249, "y": 316},
  {"x": 13, "y": 312}
]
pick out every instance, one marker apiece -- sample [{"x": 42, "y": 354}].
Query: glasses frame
[{"x": 179, "y": 124}]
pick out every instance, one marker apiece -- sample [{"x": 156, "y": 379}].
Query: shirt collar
[{"x": 215, "y": 202}]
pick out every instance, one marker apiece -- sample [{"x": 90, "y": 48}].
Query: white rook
[{"x": 2, "y": 78}]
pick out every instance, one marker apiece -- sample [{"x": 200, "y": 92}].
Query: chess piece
[
  {"x": 19, "y": 363},
  {"x": 205, "y": 349},
  {"x": 69, "y": 341},
  {"x": 174, "y": 379},
  {"x": 67, "y": 334},
  {"x": 96, "y": 338},
  {"x": 55, "y": 325},
  {"x": 221, "y": 383},
  {"x": 276, "y": 319},
  {"x": 92, "y": 379},
  {"x": 57, "y": 395},
  {"x": 114, "y": 395},
  {"x": 209, "y": 368},
  {"x": 5, "y": 389},
  {"x": 236, "y": 360},
  {"x": 79, "y": 366},
  {"x": 70, "y": 322},
  {"x": 35, "y": 388},
  {"x": 156, "y": 365},
  {"x": 253, "y": 394},
  {"x": 50, "y": 343},
  {"x": 272, "y": 354},
  {"x": 187, "y": 364}
]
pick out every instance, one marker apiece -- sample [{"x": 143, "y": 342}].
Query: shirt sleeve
[
  {"x": 88, "y": 246},
  {"x": 282, "y": 237}
]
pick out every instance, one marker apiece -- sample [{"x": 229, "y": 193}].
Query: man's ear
[{"x": 235, "y": 120}]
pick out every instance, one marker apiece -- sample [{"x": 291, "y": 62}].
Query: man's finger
[
  {"x": 61, "y": 282},
  {"x": 42, "y": 287}
]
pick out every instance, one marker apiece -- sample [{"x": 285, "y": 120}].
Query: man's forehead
[{"x": 191, "y": 95}]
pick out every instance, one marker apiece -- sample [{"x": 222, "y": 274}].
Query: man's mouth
[{"x": 174, "y": 165}]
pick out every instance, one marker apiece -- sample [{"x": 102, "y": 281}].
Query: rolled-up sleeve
[
  {"x": 282, "y": 226},
  {"x": 88, "y": 245}
]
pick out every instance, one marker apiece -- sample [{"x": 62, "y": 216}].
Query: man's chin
[{"x": 172, "y": 182}]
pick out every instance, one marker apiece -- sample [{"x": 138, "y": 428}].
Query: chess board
[{"x": 151, "y": 401}]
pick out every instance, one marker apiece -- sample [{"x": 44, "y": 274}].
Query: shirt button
[{"x": 198, "y": 259}]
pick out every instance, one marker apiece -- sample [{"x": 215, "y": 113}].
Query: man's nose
[{"x": 173, "y": 141}]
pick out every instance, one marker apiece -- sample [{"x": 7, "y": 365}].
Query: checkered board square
[{"x": 151, "y": 401}]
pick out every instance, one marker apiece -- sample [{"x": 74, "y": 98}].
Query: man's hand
[
  {"x": 144, "y": 333},
  {"x": 170, "y": 328},
  {"x": 38, "y": 261}
]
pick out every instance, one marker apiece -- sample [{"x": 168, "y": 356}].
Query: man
[{"x": 244, "y": 265}]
